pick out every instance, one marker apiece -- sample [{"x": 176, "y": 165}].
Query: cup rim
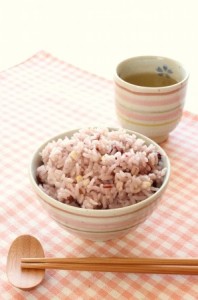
[{"x": 128, "y": 85}]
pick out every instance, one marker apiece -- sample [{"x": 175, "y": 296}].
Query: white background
[{"x": 96, "y": 34}]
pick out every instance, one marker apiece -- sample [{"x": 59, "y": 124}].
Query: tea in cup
[{"x": 150, "y": 94}]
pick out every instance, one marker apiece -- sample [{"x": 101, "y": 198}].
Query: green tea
[{"x": 150, "y": 79}]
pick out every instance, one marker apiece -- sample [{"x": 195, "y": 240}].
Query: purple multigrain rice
[{"x": 100, "y": 169}]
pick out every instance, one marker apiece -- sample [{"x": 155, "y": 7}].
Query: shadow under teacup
[{"x": 149, "y": 95}]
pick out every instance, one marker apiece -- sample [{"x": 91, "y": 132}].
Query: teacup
[{"x": 150, "y": 94}]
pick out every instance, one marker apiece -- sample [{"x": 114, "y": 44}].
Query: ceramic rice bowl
[{"x": 97, "y": 224}]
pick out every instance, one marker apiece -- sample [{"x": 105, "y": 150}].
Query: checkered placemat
[{"x": 42, "y": 97}]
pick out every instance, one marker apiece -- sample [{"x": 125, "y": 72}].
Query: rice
[{"x": 100, "y": 169}]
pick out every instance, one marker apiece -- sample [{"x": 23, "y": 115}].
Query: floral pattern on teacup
[{"x": 164, "y": 71}]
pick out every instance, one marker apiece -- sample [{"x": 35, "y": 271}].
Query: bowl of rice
[{"x": 99, "y": 183}]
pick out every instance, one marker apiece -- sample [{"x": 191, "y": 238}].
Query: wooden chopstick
[
  {"x": 115, "y": 260},
  {"x": 184, "y": 266},
  {"x": 155, "y": 269}
]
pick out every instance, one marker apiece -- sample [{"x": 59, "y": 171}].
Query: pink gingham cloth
[{"x": 42, "y": 97}]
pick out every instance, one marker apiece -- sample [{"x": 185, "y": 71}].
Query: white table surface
[{"x": 96, "y": 34}]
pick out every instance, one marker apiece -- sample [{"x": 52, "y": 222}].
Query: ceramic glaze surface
[
  {"x": 98, "y": 225},
  {"x": 151, "y": 110}
]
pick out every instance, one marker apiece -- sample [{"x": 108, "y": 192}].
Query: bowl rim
[{"x": 99, "y": 212}]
